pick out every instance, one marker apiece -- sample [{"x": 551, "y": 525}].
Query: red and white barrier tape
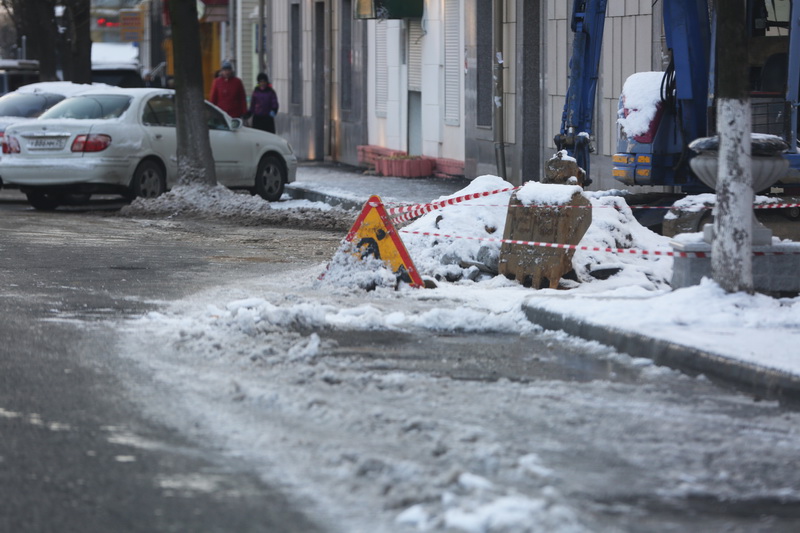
[
  {"x": 629, "y": 251},
  {"x": 405, "y": 213},
  {"x": 410, "y": 212}
]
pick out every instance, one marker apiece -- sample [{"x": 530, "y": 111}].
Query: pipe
[{"x": 499, "y": 112}]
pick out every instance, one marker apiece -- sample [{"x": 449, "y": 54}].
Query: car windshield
[
  {"x": 97, "y": 106},
  {"x": 26, "y": 104}
]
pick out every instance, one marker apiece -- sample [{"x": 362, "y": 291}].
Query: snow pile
[
  {"x": 199, "y": 199},
  {"x": 463, "y": 255},
  {"x": 705, "y": 202},
  {"x": 350, "y": 268},
  {"x": 614, "y": 226},
  {"x": 641, "y": 95},
  {"x": 241, "y": 207},
  {"x": 535, "y": 193}
]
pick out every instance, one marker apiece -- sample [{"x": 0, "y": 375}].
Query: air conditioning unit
[{"x": 388, "y": 9}]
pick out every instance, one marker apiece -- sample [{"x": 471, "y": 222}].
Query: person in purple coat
[{"x": 264, "y": 105}]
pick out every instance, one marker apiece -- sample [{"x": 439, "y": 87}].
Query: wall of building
[
  {"x": 388, "y": 81},
  {"x": 521, "y": 100},
  {"x": 314, "y": 117},
  {"x": 247, "y": 58}
]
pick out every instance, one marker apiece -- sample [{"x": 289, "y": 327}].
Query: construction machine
[{"x": 658, "y": 154}]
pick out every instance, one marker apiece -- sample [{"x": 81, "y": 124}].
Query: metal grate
[{"x": 769, "y": 116}]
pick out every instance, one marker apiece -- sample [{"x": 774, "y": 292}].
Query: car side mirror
[{"x": 236, "y": 123}]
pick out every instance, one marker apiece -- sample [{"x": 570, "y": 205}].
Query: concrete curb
[
  {"x": 300, "y": 193},
  {"x": 759, "y": 381}
]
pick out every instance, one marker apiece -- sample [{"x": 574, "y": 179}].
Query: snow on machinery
[{"x": 655, "y": 151}]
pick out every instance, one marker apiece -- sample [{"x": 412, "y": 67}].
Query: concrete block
[{"x": 777, "y": 271}]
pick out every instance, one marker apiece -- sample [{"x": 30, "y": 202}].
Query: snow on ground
[
  {"x": 337, "y": 433},
  {"x": 221, "y": 202},
  {"x": 638, "y": 298}
]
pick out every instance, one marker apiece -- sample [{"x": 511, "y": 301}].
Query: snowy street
[{"x": 384, "y": 411}]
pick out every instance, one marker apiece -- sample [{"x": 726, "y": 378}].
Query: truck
[{"x": 658, "y": 154}]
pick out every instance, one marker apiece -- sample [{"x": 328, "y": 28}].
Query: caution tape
[
  {"x": 628, "y": 251},
  {"x": 405, "y": 213},
  {"x": 410, "y": 212},
  {"x": 417, "y": 210}
]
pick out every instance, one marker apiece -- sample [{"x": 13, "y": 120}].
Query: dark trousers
[{"x": 264, "y": 123}]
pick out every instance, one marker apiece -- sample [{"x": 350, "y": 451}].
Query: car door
[
  {"x": 232, "y": 153},
  {"x": 158, "y": 122}
]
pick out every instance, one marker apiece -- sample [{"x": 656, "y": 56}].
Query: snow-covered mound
[{"x": 467, "y": 253}]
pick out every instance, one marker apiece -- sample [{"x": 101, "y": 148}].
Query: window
[
  {"x": 90, "y": 107},
  {"x": 159, "y": 111},
  {"x": 415, "y": 36},
  {"x": 347, "y": 55},
  {"x": 216, "y": 121},
  {"x": 296, "y": 56},
  {"x": 381, "y": 70},
  {"x": 27, "y": 104},
  {"x": 452, "y": 63},
  {"x": 484, "y": 62}
]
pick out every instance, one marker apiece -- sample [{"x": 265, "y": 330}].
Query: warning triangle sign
[{"x": 373, "y": 234}]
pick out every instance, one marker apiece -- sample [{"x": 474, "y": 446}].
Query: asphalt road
[
  {"x": 74, "y": 454},
  {"x": 77, "y": 454}
]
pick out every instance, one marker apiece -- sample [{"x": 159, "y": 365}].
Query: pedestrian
[
  {"x": 227, "y": 92},
  {"x": 263, "y": 105}
]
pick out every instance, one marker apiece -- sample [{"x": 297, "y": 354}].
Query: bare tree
[
  {"x": 38, "y": 21},
  {"x": 195, "y": 161},
  {"x": 76, "y": 47}
]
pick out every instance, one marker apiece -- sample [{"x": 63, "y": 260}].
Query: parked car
[
  {"x": 123, "y": 141},
  {"x": 30, "y": 101}
]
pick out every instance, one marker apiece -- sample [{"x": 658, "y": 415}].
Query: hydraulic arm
[{"x": 588, "y": 19}]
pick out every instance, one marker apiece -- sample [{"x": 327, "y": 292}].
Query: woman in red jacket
[{"x": 227, "y": 92}]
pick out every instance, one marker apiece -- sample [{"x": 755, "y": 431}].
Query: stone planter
[{"x": 768, "y": 166}]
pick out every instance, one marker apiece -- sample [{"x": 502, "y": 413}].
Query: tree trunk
[
  {"x": 80, "y": 41},
  {"x": 37, "y": 21},
  {"x": 195, "y": 161},
  {"x": 731, "y": 252}
]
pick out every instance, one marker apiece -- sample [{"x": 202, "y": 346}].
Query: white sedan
[{"x": 123, "y": 141}]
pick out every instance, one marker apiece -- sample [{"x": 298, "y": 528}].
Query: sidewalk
[
  {"x": 350, "y": 188},
  {"x": 746, "y": 341}
]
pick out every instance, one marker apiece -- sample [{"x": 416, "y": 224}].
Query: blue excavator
[{"x": 660, "y": 155}]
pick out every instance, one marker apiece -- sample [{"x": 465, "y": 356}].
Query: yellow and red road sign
[{"x": 373, "y": 234}]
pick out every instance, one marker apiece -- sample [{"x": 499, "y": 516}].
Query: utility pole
[{"x": 732, "y": 249}]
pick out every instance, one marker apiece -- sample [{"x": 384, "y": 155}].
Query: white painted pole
[{"x": 732, "y": 248}]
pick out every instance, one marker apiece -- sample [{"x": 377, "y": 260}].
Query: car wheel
[
  {"x": 43, "y": 201},
  {"x": 148, "y": 180},
  {"x": 270, "y": 178}
]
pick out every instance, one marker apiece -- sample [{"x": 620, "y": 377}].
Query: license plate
[{"x": 56, "y": 143}]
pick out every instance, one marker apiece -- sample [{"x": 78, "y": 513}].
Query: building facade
[{"x": 473, "y": 86}]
